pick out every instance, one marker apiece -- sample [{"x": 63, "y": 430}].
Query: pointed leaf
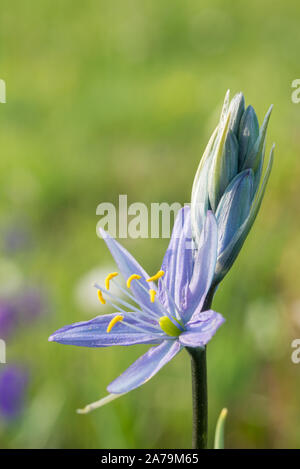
[{"x": 219, "y": 435}]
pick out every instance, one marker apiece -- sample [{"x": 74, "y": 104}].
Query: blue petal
[
  {"x": 256, "y": 154},
  {"x": 178, "y": 260},
  {"x": 201, "y": 329},
  {"x": 234, "y": 207},
  {"x": 228, "y": 256},
  {"x": 145, "y": 367},
  {"x": 128, "y": 266},
  {"x": 204, "y": 266},
  {"x": 248, "y": 134},
  {"x": 228, "y": 165},
  {"x": 93, "y": 333}
]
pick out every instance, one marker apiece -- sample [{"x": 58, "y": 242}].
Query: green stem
[
  {"x": 199, "y": 388},
  {"x": 199, "y": 393}
]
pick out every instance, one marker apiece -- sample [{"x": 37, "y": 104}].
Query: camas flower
[{"x": 168, "y": 315}]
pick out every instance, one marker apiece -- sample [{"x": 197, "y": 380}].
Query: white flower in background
[
  {"x": 269, "y": 337},
  {"x": 11, "y": 278},
  {"x": 85, "y": 295}
]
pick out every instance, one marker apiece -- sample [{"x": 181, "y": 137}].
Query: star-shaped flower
[{"x": 165, "y": 310}]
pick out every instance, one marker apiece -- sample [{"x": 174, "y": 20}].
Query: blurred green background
[{"x": 120, "y": 97}]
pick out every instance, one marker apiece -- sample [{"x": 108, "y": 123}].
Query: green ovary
[{"x": 168, "y": 327}]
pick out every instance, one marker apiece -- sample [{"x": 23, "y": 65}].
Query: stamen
[
  {"x": 141, "y": 320},
  {"x": 155, "y": 277},
  {"x": 158, "y": 303},
  {"x": 141, "y": 327},
  {"x": 152, "y": 294},
  {"x": 100, "y": 296},
  {"x": 108, "y": 278},
  {"x": 115, "y": 298},
  {"x": 143, "y": 307},
  {"x": 132, "y": 277},
  {"x": 114, "y": 321},
  {"x": 131, "y": 307}
]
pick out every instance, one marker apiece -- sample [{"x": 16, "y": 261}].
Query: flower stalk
[
  {"x": 199, "y": 396},
  {"x": 199, "y": 388}
]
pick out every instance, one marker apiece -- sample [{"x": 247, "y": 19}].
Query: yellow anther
[
  {"x": 114, "y": 321},
  {"x": 100, "y": 296},
  {"x": 155, "y": 277},
  {"x": 132, "y": 277},
  {"x": 108, "y": 278},
  {"x": 152, "y": 294}
]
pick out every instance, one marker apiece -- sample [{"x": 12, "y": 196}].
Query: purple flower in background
[
  {"x": 13, "y": 384},
  {"x": 30, "y": 304},
  {"x": 21, "y": 309},
  {"x": 8, "y": 318},
  {"x": 16, "y": 237},
  {"x": 168, "y": 315}
]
